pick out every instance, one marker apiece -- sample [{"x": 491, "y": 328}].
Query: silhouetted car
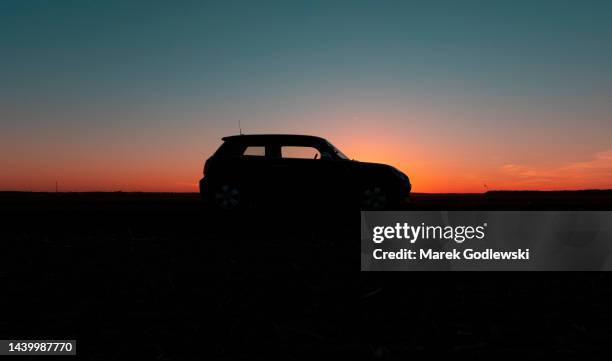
[{"x": 274, "y": 169}]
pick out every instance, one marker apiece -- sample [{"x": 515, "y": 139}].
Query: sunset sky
[{"x": 460, "y": 95}]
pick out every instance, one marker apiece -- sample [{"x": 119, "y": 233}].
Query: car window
[
  {"x": 300, "y": 152},
  {"x": 255, "y": 151}
]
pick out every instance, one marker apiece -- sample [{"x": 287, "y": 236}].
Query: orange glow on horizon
[
  {"x": 172, "y": 161},
  {"x": 436, "y": 176}
]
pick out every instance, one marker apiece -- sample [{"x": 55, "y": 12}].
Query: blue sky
[{"x": 526, "y": 83}]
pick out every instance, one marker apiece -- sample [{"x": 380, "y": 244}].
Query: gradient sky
[{"x": 461, "y": 95}]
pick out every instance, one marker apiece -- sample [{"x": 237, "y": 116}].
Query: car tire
[
  {"x": 374, "y": 197},
  {"x": 227, "y": 196}
]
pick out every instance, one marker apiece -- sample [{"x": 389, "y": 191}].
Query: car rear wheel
[
  {"x": 374, "y": 197},
  {"x": 227, "y": 196}
]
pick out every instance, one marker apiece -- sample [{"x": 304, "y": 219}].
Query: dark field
[{"x": 158, "y": 276}]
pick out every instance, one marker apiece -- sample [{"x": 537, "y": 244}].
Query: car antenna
[{"x": 239, "y": 127}]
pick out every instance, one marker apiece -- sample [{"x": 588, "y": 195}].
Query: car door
[
  {"x": 336, "y": 182},
  {"x": 300, "y": 174}
]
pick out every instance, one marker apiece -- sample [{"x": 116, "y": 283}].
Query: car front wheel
[{"x": 373, "y": 197}]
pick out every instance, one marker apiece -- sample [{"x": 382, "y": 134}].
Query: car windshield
[{"x": 338, "y": 152}]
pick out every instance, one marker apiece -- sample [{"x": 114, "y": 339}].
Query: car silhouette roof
[{"x": 273, "y": 138}]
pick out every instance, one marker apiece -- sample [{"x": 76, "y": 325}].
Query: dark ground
[{"x": 157, "y": 276}]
